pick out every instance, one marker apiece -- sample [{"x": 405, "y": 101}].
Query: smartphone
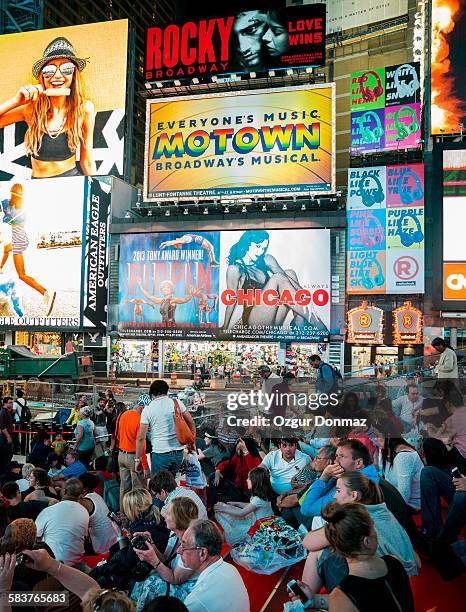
[
  {"x": 294, "y": 587},
  {"x": 113, "y": 517},
  {"x": 455, "y": 473}
]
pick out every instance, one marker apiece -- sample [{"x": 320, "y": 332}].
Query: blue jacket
[
  {"x": 321, "y": 493},
  {"x": 325, "y": 382}
]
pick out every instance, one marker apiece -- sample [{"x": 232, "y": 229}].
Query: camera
[
  {"x": 455, "y": 473},
  {"x": 140, "y": 543}
]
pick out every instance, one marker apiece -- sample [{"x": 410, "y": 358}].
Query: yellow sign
[{"x": 279, "y": 141}]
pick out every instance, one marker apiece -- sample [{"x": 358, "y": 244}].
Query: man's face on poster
[{"x": 249, "y": 28}]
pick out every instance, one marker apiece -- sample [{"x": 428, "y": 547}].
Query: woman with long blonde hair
[{"x": 59, "y": 118}]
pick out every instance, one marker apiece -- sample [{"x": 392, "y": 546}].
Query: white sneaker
[{"x": 49, "y": 302}]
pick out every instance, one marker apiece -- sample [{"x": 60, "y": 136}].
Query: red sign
[{"x": 249, "y": 41}]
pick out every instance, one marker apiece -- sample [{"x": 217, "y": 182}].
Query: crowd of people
[{"x": 362, "y": 504}]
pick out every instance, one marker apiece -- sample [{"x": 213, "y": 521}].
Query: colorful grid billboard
[
  {"x": 385, "y": 220},
  {"x": 62, "y": 110},
  {"x": 247, "y": 41},
  {"x": 385, "y": 109},
  {"x": 275, "y": 141},
  {"x": 54, "y": 266},
  {"x": 232, "y": 285}
]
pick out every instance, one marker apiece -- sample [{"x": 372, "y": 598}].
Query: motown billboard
[
  {"x": 231, "y": 285},
  {"x": 246, "y": 41},
  {"x": 276, "y": 141},
  {"x": 54, "y": 259}
]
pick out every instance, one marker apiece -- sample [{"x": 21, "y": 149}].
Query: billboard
[
  {"x": 385, "y": 221},
  {"x": 346, "y": 14},
  {"x": 454, "y": 218},
  {"x": 385, "y": 109},
  {"x": 275, "y": 141},
  {"x": 448, "y": 87},
  {"x": 53, "y": 238},
  {"x": 62, "y": 111},
  {"x": 245, "y": 41},
  {"x": 232, "y": 285}
]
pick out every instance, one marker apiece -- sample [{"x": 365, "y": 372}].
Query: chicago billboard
[
  {"x": 385, "y": 108},
  {"x": 275, "y": 141},
  {"x": 448, "y": 86},
  {"x": 53, "y": 239},
  {"x": 247, "y": 41},
  {"x": 385, "y": 220},
  {"x": 232, "y": 285},
  {"x": 62, "y": 111}
]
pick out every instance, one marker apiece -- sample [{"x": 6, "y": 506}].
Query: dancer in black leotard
[
  {"x": 168, "y": 302},
  {"x": 252, "y": 267}
]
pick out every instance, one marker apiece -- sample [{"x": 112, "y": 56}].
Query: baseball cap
[{"x": 143, "y": 400}]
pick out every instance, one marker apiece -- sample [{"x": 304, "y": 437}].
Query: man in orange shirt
[{"x": 126, "y": 433}]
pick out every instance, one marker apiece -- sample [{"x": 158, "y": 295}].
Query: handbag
[{"x": 184, "y": 434}]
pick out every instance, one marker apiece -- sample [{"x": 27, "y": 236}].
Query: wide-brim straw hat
[{"x": 59, "y": 47}]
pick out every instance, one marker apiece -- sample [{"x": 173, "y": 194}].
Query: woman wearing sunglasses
[{"x": 60, "y": 120}]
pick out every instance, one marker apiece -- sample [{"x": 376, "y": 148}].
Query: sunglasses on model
[{"x": 66, "y": 69}]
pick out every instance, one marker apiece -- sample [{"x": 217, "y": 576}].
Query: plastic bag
[
  {"x": 271, "y": 545},
  {"x": 194, "y": 476}
]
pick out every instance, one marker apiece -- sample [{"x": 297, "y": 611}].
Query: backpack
[
  {"x": 337, "y": 380},
  {"x": 111, "y": 493},
  {"x": 25, "y": 415}
]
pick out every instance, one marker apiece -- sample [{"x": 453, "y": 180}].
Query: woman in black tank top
[
  {"x": 60, "y": 120},
  {"x": 373, "y": 583},
  {"x": 253, "y": 267}
]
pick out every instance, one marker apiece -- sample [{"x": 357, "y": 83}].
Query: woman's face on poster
[
  {"x": 257, "y": 249},
  {"x": 58, "y": 73},
  {"x": 275, "y": 38}
]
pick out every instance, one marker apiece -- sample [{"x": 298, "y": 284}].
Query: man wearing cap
[{"x": 126, "y": 434}]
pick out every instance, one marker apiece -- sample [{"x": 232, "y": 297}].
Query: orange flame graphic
[{"x": 446, "y": 109}]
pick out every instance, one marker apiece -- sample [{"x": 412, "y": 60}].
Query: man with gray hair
[
  {"x": 219, "y": 584},
  {"x": 269, "y": 380},
  {"x": 289, "y": 502}
]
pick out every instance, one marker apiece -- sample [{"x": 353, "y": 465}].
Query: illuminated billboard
[
  {"x": 448, "y": 86},
  {"x": 454, "y": 219},
  {"x": 246, "y": 41},
  {"x": 385, "y": 109},
  {"x": 54, "y": 266},
  {"x": 385, "y": 220},
  {"x": 275, "y": 141},
  {"x": 62, "y": 110},
  {"x": 232, "y": 285}
]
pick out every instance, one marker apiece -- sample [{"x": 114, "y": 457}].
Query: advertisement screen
[
  {"x": 448, "y": 86},
  {"x": 346, "y": 14},
  {"x": 246, "y": 41},
  {"x": 238, "y": 285},
  {"x": 385, "y": 220},
  {"x": 51, "y": 231},
  {"x": 62, "y": 110},
  {"x": 276, "y": 141},
  {"x": 454, "y": 218},
  {"x": 385, "y": 109}
]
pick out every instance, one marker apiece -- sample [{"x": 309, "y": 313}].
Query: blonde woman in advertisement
[{"x": 59, "y": 118}]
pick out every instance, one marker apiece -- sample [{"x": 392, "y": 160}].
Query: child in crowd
[
  {"x": 55, "y": 463},
  {"x": 236, "y": 518},
  {"x": 59, "y": 445}
]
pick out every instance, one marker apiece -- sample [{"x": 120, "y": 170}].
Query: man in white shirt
[
  {"x": 283, "y": 464},
  {"x": 159, "y": 417},
  {"x": 65, "y": 525},
  {"x": 219, "y": 586},
  {"x": 447, "y": 366},
  {"x": 406, "y": 405}
]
